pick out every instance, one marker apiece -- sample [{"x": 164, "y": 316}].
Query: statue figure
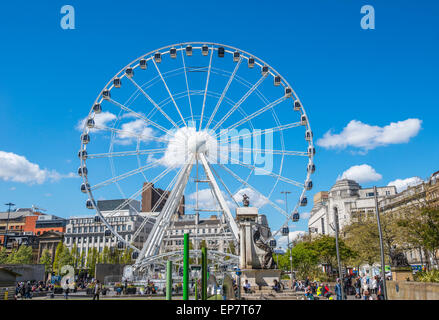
[
  {"x": 245, "y": 200},
  {"x": 265, "y": 253},
  {"x": 398, "y": 259}
]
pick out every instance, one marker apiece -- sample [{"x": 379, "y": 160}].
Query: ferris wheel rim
[{"x": 149, "y": 56}]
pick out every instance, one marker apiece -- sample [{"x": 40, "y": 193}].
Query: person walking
[
  {"x": 97, "y": 290},
  {"x": 374, "y": 285},
  {"x": 357, "y": 288},
  {"x": 338, "y": 289},
  {"x": 66, "y": 289}
]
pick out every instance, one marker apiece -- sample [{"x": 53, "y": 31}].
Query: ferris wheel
[{"x": 206, "y": 122}]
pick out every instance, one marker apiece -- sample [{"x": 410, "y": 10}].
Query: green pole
[
  {"x": 204, "y": 273},
  {"x": 169, "y": 280},
  {"x": 186, "y": 267},
  {"x": 196, "y": 290}
]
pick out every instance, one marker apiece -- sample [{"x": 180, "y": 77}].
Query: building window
[{"x": 323, "y": 225}]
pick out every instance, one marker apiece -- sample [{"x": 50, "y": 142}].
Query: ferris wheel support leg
[
  {"x": 219, "y": 196},
  {"x": 152, "y": 244}
]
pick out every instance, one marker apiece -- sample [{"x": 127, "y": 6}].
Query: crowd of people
[{"x": 25, "y": 290}]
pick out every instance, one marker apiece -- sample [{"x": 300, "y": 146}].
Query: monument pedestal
[
  {"x": 260, "y": 277},
  {"x": 402, "y": 274}
]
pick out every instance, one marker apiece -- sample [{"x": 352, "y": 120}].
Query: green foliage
[
  {"x": 46, "y": 259},
  {"x": 3, "y": 255},
  {"x": 428, "y": 276},
  {"x": 21, "y": 256},
  {"x": 62, "y": 257}
]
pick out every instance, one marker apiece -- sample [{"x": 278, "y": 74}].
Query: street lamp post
[
  {"x": 288, "y": 238},
  {"x": 383, "y": 272},
  {"x": 337, "y": 249},
  {"x": 5, "y": 239}
]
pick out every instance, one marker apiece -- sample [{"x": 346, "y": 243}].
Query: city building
[
  {"x": 49, "y": 222},
  {"x": 213, "y": 231},
  {"x": 351, "y": 202},
  {"x": 151, "y": 198},
  {"x": 432, "y": 190},
  {"x": 49, "y": 240},
  {"x": 19, "y": 222},
  {"x": 87, "y": 232}
]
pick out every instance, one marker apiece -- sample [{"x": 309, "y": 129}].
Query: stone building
[
  {"x": 87, "y": 233},
  {"x": 349, "y": 199},
  {"x": 213, "y": 231},
  {"x": 49, "y": 240}
]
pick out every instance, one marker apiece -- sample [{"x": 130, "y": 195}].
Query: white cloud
[
  {"x": 361, "y": 173},
  {"x": 366, "y": 137},
  {"x": 305, "y": 215},
  {"x": 293, "y": 235},
  {"x": 256, "y": 199},
  {"x": 280, "y": 201},
  {"x": 133, "y": 130},
  {"x": 101, "y": 120},
  {"x": 206, "y": 199},
  {"x": 14, "y": 167},
  {"x": 403, "y": 184}
]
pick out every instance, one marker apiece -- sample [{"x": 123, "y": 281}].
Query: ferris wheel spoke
[
  {"x": 256, "y": 133},
  {"x": 126, "y": 175},
  {"x": 138, "y": 192},
  {"x": 251, "y": 116},
  {"x": 254, "y": 189},
  {"x": 148, "y": 121},
  {"x": 275, "y": 175},
  {"x": 125, "y": 153},
  {"x": 226, "y": 88},
  {"x": 224, "y": 185},
  {"x": 243, "y": 98},
  {"x": 169, "y": 92},
  {"x": 131, "y": 133},
  {"x": 153, "y": 103},
  {"x": 205, "y": 89},
  {"x": 187, "y": 84},
  {"x": 271, "y": 151}
]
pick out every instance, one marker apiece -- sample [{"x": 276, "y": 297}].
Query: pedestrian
[
  {"x": 338, "y": 289},
  {"x": 374, "y": 285},
  {"x": 380, "y": 293},
  {"x": 357, "y": 288},
  {"x": 66, "y": 289},
  {"x": 97, "y": 290}
]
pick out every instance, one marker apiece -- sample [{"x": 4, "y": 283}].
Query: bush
[{"x": 427, "y": 276}]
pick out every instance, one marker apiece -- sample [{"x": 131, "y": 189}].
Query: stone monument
[
  {"x": 256, "y": 257},
  {"x": 401, "y": 269}
]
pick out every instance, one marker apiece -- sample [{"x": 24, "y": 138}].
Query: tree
[
  {"x": 304, "y": 259},
  {"x": 325, "y": 247},
  {"x": 363, "y": 237},
  {"x": 21, "y": 256},
  {"x": 3, "y": 255},
  {"x": 58, "y": 252},
  {"x": 420, "y": 225},
  {"x": 46, "y": 259},
  {"x": 105, "y": 255}
]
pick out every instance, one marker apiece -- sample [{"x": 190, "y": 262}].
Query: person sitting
[
  {"x": 308, "y": 293},
  {"x": 247, "y": 287},
  {"x": 320, "y": 290},
  {"x": 326, "y": 292},
  {"x": 276, "y": 286}
]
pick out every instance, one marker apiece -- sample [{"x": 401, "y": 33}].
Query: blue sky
[{"x": 50, "y": 78}]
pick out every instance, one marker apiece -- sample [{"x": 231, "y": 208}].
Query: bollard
[
  {"x": 169, "y": 280},
  {"x": 186, "y": 267}
]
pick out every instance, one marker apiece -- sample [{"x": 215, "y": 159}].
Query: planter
[
  {"x": 131, "y": 290},
  {"x": 58, "y": 290}
]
